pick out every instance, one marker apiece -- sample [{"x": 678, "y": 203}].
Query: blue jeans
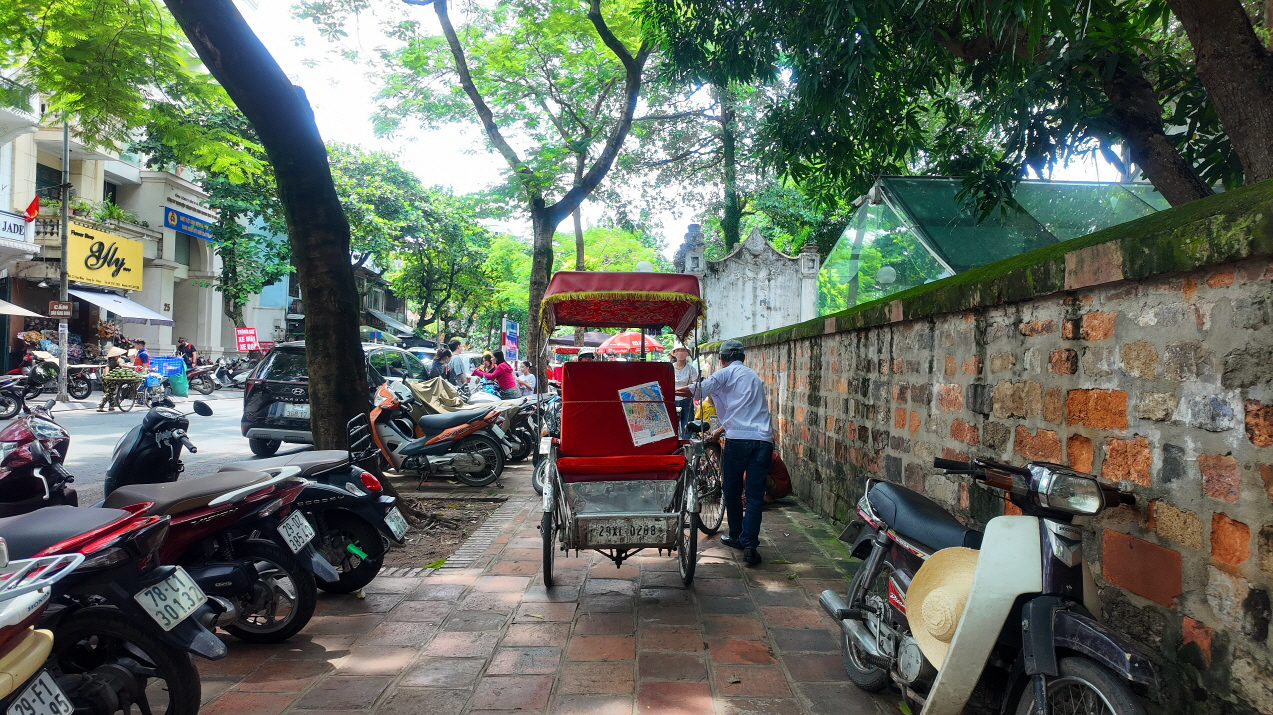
[
  {"x": 751, "y": 457},
  {"x": 687, "y": 411}
]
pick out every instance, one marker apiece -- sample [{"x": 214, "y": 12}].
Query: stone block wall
[{"x": 1100, "y": 355}]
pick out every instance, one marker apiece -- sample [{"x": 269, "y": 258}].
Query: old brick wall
[{"x": 1165, "y": 382}]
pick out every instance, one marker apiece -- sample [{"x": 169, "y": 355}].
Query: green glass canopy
[{"x": 913, "y": 230}]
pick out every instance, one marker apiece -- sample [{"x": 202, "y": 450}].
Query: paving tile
[
  {"x": 839, "y": 698},
  {"x": 422, "y": 701},
  {"x": 750, "y": 681},
  {"x": 720, "y": 587},
  {"x": 595, "y": 677},
  {"x": 545, "y": 613},
  {"x": 669, "y": 615},
  {"x": 660, "y": 578},
  {"x": 562, "y": 577},
  {"x": 611, "y": 603},
  {"x": 437, "y": 591},
  {"x": 283, "y": 676},
  {"x": 241, "y": 659},
  {"x": 304, "y": 646},
  {"x": 605, "y": 624},
  {"x": 214, "y": 686},
  {"x": 757, "y": 706},
  {"x": 333, "y": 605},
  {"x": 537, "y": 634},
  {"x": 444, "y": 672},
  {"x": 740, "y": 652},
  {"x": 710, "y": 571},
  {"x": 789, "y": 617},
  {"x": 514, "y": 568},
  {"x": 487, "y": 584},
  {"x": 793, "y": 597},
  {"x": 665, "y": 563},
  {"x": 556, "y": 594},
  {"x": 670, "y": 667},
  {"x": 665, "y": 596},
  {"x": 504, "y": 602},
  {"x": 344, "y": 625},
  {"x": 472, "y": 621},
  {"x": 391, "y": 633},
  {"x": 763, "y": 579},
  {"x": 678, "y": 638},
  {"x": 675, "y": 698},
  {"x": 601, "y": 648},
  {"x": 746, "y": 627},
  {"x": 711, "y": 605},
  {"x": 462, "y": 645},
  {"x": 610, "y": 586},
  {"x": 344, "y": 693},
  {"x": 234, "y": 703},
  {"x": 534, "y": 660},
  {"x": 815, "y": 668},
  {"x": 512, "y": 692},
  {"x": 593, "y": 705},
  {"x": 791, "y": 640},
  {"x": 606, "y": 569},
  {"x": 375, "y": 660},
  {"x": 422, "y": 611},
  {"x": 389, "y": 584}
]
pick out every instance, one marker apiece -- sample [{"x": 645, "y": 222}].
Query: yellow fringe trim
[{"x": 653, "y": 295}]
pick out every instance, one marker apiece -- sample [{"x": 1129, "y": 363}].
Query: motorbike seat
[
  {"x": 30, "y": 533},
  {"x": 186, "y": 494},
  {"x": 310, "y": 463},
  {"x": 917, "y": 518},
  {"x": 437, "y": 423}
]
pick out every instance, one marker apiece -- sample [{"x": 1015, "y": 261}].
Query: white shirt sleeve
[{"x": 708, "y": 386}]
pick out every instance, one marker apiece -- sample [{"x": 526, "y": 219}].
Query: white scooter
[{"x": 937, "y": 607}]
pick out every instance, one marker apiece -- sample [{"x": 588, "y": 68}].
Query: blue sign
[{"x": 187, "y": 224}]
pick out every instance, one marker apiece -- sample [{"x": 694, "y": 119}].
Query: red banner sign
[
  {"x": 266, "y": 345},
  {"x": 245, "y": 339}
]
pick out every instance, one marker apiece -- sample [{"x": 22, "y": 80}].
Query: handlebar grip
[
  {"x": 940, "y": 463},
  {"x": 189, "y": 445}
]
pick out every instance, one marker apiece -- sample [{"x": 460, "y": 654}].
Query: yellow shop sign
[{"x": 104, "y": 258}]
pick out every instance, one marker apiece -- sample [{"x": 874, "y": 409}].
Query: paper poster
[{"x": 646, "y": 412}]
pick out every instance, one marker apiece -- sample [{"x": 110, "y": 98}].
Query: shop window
[
  {"x": 110, "y": 192},
  {"x": 47, "y": 181},
  {"x": 181, "y": 249},
  {"x": 293, "y": 286}
]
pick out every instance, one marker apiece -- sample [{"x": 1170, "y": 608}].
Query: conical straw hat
[{"x": 936, "y": 598}]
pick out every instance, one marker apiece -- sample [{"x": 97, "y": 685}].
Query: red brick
[
  {"x": 799, "y": 413},
  {"x": 951, "y": 365},
  {"x": 1220, "y": 279},
  {"x": 792, "y": 617},
  {"x": 901, "y": 392},
  {"x": 1099, "y": 409},
  {"x": 899, "y": 418},
  {"x": 1063, "y": 361},
  {"x": 948, "y": 453},
  {"x": 1266, "y": 476},
  {"x": 950, "y": 398},
  {"x": 537, "y": 634},
  {"x": 972, "y": 366},
  {"x": 742, "y": 652},
  {"x": 1145, "y": 569},
  {"x": 1097, "y": 326},
  {"x": 1042, "y": 445},
  {"x": 1037, "y": 327},
  {"x": 965, "y": 496},
  {"x": 1259, "y": 423},
  {"x": 914, "y": 422},
  {"x": 248, "y": 704},
  {"x": 1079, "y": 451},
  {"x": 1230, "y": 540},
  {"x": 899, "y": 366},
  {"x": 671, "y": 667},
  {"x": 1128, "y": 460},
  {"x": 964, "y": 432},
  {"x": 283, "y": 676},
  {"x": 1220, "y": 477},
  {"x": 577, "y": 677},
  {"x": 675, "y": 698},
  {"x": 1194, "y": 632},
  {"x": 1010, "y": 509},
  {"x": 752, "y": 682},
  {"x": 518, "y": 692},
  {"x": 601, "y": 648},
  {"x": 1189, "y": 288},
  {"x": 1053, "y": 406},
  {"x": 344, "y": 693}
]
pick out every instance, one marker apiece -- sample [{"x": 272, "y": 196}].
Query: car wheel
[{"x": 264, "y": 447}]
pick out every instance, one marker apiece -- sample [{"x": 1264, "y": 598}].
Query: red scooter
[{"x": 23, "y": 485}]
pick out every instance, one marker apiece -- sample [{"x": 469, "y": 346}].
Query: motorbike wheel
[
  {"x": 343, "y": 530},
  {"x": 264, "y": 447},
  {"x": 79, "y": 387},
  {"x": 525, "y": 440},
  {"x": 711, "y": 494},
  {"x": 32, "y": 390},
  {"x": 866, "y": 676},
  {"x": 490, "y": 451},
  {"x": 1084, "y": 688},
  {"x": 284, "y": 600},
  {"x": 10, "y": 406},
  {"x": 540, "y": 476},
  {"x": 128, "y": 395},
  {"x": 202, "y": 384},
  {"x": 99, "y": 636}
]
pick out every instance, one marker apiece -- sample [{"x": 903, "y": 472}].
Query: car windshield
[{"x": 284, "y": 365}]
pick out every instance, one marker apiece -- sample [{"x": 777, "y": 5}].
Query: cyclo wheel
[
  {"x": 547, "y": 534},
  {"x": 126, "y": 396},
  {"x": 711, "y": 494},
  {"x": 687, "y": 546}
]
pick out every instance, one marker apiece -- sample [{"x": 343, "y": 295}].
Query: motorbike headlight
[{"x": 1068, "y": 491}]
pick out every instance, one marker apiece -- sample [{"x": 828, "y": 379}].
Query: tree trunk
[
  {"x": 579, "y": 263},
  {"x": 541, "y": 268},
  {"x": 1237, "y": 72},
  {"x": 1135, "y": 110},
  {"x": 316, "y": 224},
  {"x": 732, "y": 217}
]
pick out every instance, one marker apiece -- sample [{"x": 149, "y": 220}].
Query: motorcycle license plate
[
  {"x": 42, "y": 697},
  {"x": 397, "y": 524},
  {"x": 498, "y": 432},
  {"x": 627, "y": 531},
  {"x": 170, "y": 601},
  {"x": 300, "y": 412},
  {"x": 296, "y": 531}
]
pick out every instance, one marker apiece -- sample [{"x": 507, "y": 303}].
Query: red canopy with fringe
[{"x": 614, "y": 299}]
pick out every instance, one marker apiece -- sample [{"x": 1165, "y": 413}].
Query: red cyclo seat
[{"x": 621, "y": 465}]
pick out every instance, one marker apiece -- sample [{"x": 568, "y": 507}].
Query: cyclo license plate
[
  {"x": 42, "y": 697},
  {"x": 296, "y": 531},
  {"x": 397, "y": 524},
  {"x": 627, "y": 531},
  {"x": 170, "y": 601}
]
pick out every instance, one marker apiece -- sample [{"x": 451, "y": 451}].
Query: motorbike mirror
[
  {"x": 39, "y": 453},
  {"x": 48, "y": 404},
  {"x": 201, "y": 408}
]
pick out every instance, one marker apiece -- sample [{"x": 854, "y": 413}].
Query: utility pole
[{"x": 64, "y": 286}]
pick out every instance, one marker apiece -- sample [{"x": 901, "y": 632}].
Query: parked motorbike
[
  {"x": 203, "y": 379},
  {"x": 12, "y": 399},
  {"x": 24, "y": 594},
  {"x": 124, "y": 627},
  {"x": 233, "y": 373},
  {"x": 1029, "y": 634},
  {"x": 467, "y": 446},
  {"x": 23, "y": 484}
]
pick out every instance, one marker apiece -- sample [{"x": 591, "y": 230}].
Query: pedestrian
[
  {"x": 502, "y": 374},
  {"x": 187, "y": 352},
  {"x": 525, "y": 379},
  {"x": 587, "y": 357},
  {"x": 441, "y": 365},
  {"x": 116, "y": 371},
  {"x": 142, "y": 359},
  {"x": 739, "y": 396},
  {"x": 458, "y": 368},
  {"x": 686, "y": 373}
]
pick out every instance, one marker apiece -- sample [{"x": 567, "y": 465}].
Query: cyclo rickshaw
[{"x": 620, "y": 480}]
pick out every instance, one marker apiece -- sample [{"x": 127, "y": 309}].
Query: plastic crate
[
  {"x": 152, "y": 379},
  {"x": 167, "y": 365}
]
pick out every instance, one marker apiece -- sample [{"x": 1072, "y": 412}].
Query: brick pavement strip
[{"x": 483, "y": 635}]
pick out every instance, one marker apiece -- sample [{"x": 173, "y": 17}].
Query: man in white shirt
[
  {"x": 739, "y": 396},
  {"x": 686, "y": 373}
]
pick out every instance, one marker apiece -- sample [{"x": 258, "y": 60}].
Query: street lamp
[{"x": 886, "y": 276}]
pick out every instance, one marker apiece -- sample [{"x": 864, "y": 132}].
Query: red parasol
[
  {"x": 629, "y": 343},
  {"x": 613, "y": 299},
  {"x": 565, "y": 349}
]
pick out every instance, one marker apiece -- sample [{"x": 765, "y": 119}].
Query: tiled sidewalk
[{"x": 487, "y": 637}]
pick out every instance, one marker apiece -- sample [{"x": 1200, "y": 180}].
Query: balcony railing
[{"x": 49, "y": 230}]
